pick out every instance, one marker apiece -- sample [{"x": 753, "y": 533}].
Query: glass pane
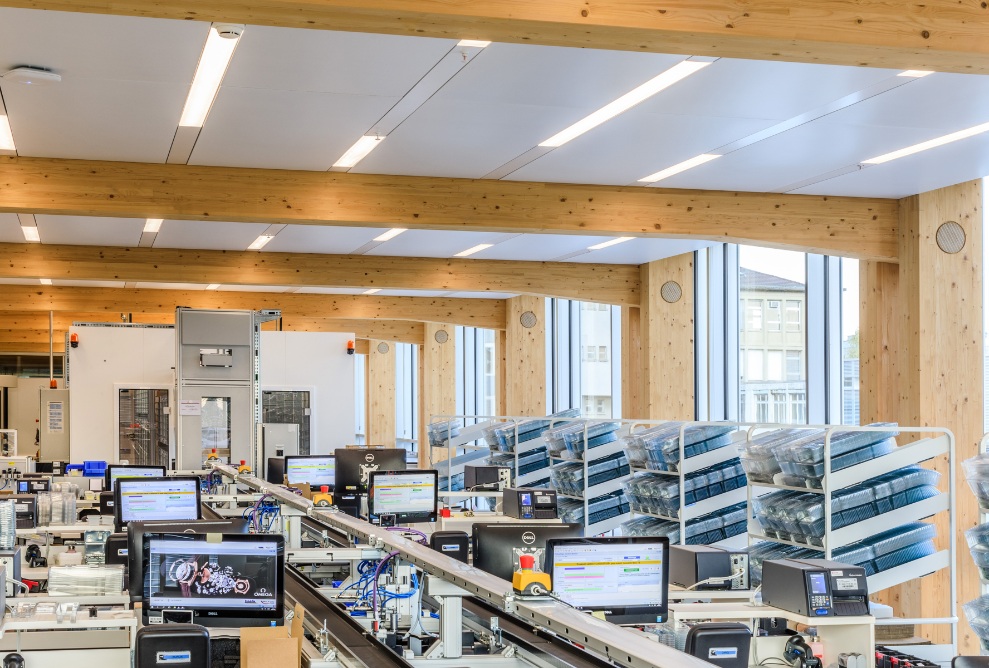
[
  {"x": 486, "y": 395},
  {"x": 596, "y": 360},
  {"x": 288, "y": 407},
  {"x": 772, "y": 337},
  {"x": 143, "y": 427},
  {"x": 849, "y": 341},
  {"x": 215, "y": 426}
]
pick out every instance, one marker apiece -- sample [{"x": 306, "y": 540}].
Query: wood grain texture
[
  {"x": 525, "y": 358},
  {"x": 609, "y": 283},
  {"x": 501, "y": 344},
  {"x": 633, "y": 382},
  {"x": 878, "y": 335},
  {"x": 362, "y": 347},
  {"x": 487, "y": 313},
  {"x": 380, "y": 401},
  {"x": 939, "y": 35},
  {"x": 667, "y": 333},
  {"x": 438, "y": 386},
  {"x": 855, "y": 227}
]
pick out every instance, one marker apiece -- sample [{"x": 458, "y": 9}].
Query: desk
[
  {"x": 463, "y": 522},
  {"x": 108, "y": 639}
]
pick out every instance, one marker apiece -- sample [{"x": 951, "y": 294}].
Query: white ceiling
[{"x": 297, "y": 99}]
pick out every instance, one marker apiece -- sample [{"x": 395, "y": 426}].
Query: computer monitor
[
  {"x": 225, "y": 580},
  {"x": 274, "y": 471},
  {"x": 625, "y": 578},
  {"x": 312, "y": 470},
  {"x": 114, "y": 471},
  {"x": 135, "y": 543},
  {"x": 497, "y": 546},
  {"x": 354, "y": 467},
  {"x": 402, "y": 497},
  {"x": 144, "y": 499}
]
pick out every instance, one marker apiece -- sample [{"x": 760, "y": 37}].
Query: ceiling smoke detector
[
  {"x": 228, "y": 30},
  {"x": 32, "y": 76}
]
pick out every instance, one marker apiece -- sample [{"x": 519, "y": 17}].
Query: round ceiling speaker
[
  {"x": 528, "y": 319},
  {"x": 383, "y": 347},
  {"x": 951, "y": 237},
  {"x": 441, "y": 336},
  {"x": 671, "y": 292}
]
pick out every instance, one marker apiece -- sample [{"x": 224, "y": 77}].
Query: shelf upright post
[
  {"x": 826, "y": 488},
  {"x": 584, "y": 457},
  {"x": 683, "y": 508}
]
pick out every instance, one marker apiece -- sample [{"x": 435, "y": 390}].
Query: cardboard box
[
  {"x": 303, "y": 487},
  {"x": 264, "y": 647}
]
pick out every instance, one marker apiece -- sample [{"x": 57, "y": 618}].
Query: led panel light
[
  {"x": 45, "y": 281},
  {"x": 679, "y": 167},
  {"x": 390, "y": 234},
  {"x": 658, "y": 83},
  {"x": 478, "y": 43},
  {"x": 612, "y": 242},
  {"x": 152, "y": 225},
  {"x": 213, "y": 63},
  {"x": 927, "y": 145},
  {"x": 213, "y": 286},
  {"x": 260, "y": 242},
  {"x": 473, "y": 249},
  {"x": 6, "y": 138},
  {"x": 358, "y": 151},
  {"x": 30, "y": 233},
  {"x": 916, "y": 74},
  {"x": 371, "y": 291}
]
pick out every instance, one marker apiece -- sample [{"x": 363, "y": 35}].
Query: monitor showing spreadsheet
[
  {"x": 409, "y": 496},
  {"x": 146, "y": 499},
  {"x": 314, "y": 470}
]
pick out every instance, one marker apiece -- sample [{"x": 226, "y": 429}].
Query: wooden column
[
  {"x": 633, "y": 382},
  {"x": 437, "y": 383},
  {"x": 525, "y": 356},
  {"x": 500, "y": 365},
  {"x": 922, "y": 364},
  {"x": 667, "y": 335},
  {"x": 380, "y": 386}
]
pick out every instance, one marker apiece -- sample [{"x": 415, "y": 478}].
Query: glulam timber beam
[
  {"x": 485, "y": 313},
  {"x": 607, "y": 283},
  {"x": 942, "y": 35},
  {"x": 396, "y": 331},
  {"x": 864, "y": 228}
]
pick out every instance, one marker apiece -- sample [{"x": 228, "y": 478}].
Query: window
[
  {"x": 793, "y": 315},
  {"x": 779, "y": 407},
  {"x": 602, "y": 353},
  {"x": 589, "y": 353},
  {"x": 849, "y": 341},
  {"x": 143, "y": 427},
  {"x": 753, "y": 365},
  {"x": 773, "y": 315},
  {"x": 753, "y": 315},
  {"x": 475, "y": 370},
  {"x": 288, "y": 407},
  {"x": 798, "y": 407},
  {"x": 794, "y": 365},
  {"x": 775, "y": 367},
  {"x": 407, "y": 395},
  {"x": 360, "y": 409},
  {"x": 762, "y": 407}
]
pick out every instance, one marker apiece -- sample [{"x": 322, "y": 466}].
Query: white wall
[
  {"x": 108, "y": 356},
  {"x": 24, "y": 411},
  {"x": 318, "y": 362}
]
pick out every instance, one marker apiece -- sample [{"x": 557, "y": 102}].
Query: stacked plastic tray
[
  {"x": 799, "y": 516},
  {"x": 530, "y": 462},
  {"x": 977, "y": 614},
  {"x": 506, "y": 436},
  {"x": 658, "y": 448},
  {"x": 568, "y": 477},
  {"x": 600, "y": 509},
  {"x": 705, "y": 530},
  {"x": 659, "y": 494},
  {"x": 440, "y": 432},
  {"x": 567, "y": 441},
  {"x": 977, "y": 475}
]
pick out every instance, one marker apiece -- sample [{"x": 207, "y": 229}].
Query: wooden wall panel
[
  {"x": 380, "y": 387},
  {"x": 501, "y": 344},
  {"x": 633, "y": 382},
  {"x": 437, "y": 383},
  {"x": 525, "y": 358}
]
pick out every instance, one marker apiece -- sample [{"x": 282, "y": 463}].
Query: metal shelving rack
[{"x": 940, "y": 442}]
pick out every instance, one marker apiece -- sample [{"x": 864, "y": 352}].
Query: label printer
[
  {"x": 815, "y": 587},
  {"x": 530, "y": 504}
]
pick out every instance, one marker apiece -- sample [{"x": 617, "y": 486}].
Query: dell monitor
[
  {"x": 145, "y": 499},
  {"x": 626, "y": 579},
  {"x": 312, "y": 470},
  {"x": 274, "y": 470},
  {"x": 354, "y": 466},
  {"x": 225, "y": 580},
  {"x": 402, "y": 497},
  {"x": 114, "y": 471},
  {"x": 134, "y": 552},
  {"x": 497, "y": 547}
]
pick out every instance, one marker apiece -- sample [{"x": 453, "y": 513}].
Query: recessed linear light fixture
[
  {"x": 612, "y": 242},
  {"x": 152, "y": 225},
  {"x": 371, "y": 291},
  {"x": 219, "y": 49},
  {"x": 45, "y": 281},
  {"x": 260, "y": 242},
  {"x": 6, "y": 138},
  {"x": 658, "y": 83},
  {"x": 213, "y": 286},
  {"x": 30, "y": 233},
  {"x": 476, "y": 43},
  {"x": 679, "y": 167},
  {"x": 358, "y": 151},
  {"x": 915, "y": 74},
  {"x": 473, "y": 249},
  {"x": 929, "y": 144},
  {"x": 390, "y": 234}
]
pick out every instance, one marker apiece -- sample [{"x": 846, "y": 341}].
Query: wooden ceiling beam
[
  {"x": 943, "y": 35},
  {"x": 864, "y": 228},
  {"x": 607, "y": 283},
  {"x": 400, "y": 331},
  {"x": 485, "y": 313}
]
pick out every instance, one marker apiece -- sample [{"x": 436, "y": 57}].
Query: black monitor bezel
[
  {"x": 488, "y": 562},
  {"x": 289, "y": 457},
  {"x": 348, "y": 461},
  {"x": 223, "y": 618},
  {"x": 108, "y": 478},
  {"x": 268, "y": 473},
  {"x": 618, "y": 614},
  {"x": 118, "y": 522},
  {"x": 405, "y": 517}
]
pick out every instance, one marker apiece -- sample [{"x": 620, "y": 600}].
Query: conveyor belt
[{"x": 347, "y": 636}]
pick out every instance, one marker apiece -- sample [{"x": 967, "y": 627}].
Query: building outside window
[{"x": 850, "y": 341}]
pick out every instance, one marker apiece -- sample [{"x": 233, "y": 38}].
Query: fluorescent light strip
[
  {"x": 212, "y": 66},
  {"x": 915, "y": 74},
  {"x": 260, "y": 242},
  {"x": 371, "y": 291},
  {"x": 679, "y": 71},
  {"x": 152, "y": 225},
  {"x": 474, "y": 249},
  {"x": 30, "y": 233},
  {"x": 45, "y": 281},
  {"x": 929, "y": 144},
  {"x": 6, "y": 138},
  {"x": 213, "y": 286},
  {"x": 358, "y": 151},
  {"x": 679, "y": 167},
  {"x": 613, "y": 242},
  {"x": 390, "y": 234},
  {"x": 477, "y": 43}
]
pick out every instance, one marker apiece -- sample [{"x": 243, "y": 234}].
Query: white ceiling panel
[
  {"x": 331, "y": 291},
  {"x": 481, "y": 295},
  {"x": 88, "y": 284},
  {"x": 87, "y": 231},
  {"x": 250, "y": 127},
  {"x": 412, "y": 293},
  {"x": 433, "y": 243},
  {"x": 19, "y": 281},
  {"x": 210, "y": 235},
  {"x": 171, "y": 286},
  {"x": 332, "y": 62},
  {"x": 641, "y": 251},
  {"x": 321, "y": 239},
  {"x": 538, "y": 247},
  {"x": 10, "y": 229},
  {"x": 253, "y": 288}
]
